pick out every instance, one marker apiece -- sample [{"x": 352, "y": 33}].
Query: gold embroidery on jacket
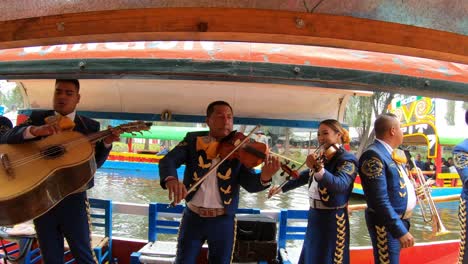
[
  {"x": 340, "y": 238},
  {"x": 201, "y": 163},
  {"x": 225, "y": 191},
  {"x": 195, "y": 176},
  {"x": 382, "y": 245},
  {"x": 462, "y": 220},
  {"x": 226, "y": 176},
  {"x": 228, "y": 201},
  {"x": 372, "y": 168}
]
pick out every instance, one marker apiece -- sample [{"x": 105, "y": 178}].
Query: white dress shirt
[{"x": 208, "y": 195}]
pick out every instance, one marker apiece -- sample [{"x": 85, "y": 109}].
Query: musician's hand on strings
[
  {"x": 274, "y": 190},
  {"x": 270, "y": 167},
  {"x": 115, "y": 136},
  {"x": 44, "y": 130},
  {"x": 177, "y": 190},
  {"x": 313, "y": 163}
]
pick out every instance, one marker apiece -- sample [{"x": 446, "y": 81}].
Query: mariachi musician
[
  {"x": 69, "y": 218},
  {"x": 330, "y": 177},
  {"x": 388, "y": 190},
  {"x": 460, "y": 159},
  {"x": 211, "y": 207}
]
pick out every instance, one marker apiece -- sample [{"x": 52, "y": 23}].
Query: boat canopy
[
  {"x": 164, "y": 132},
  {"x": 186, "y": 101}
]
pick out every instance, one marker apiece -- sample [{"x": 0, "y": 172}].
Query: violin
[
  {"x": 251, "y": 154},
  {"x": 322, "y": 155},
  {"x": 326, "y": 154},
  {"x": 292, "y": 174}
]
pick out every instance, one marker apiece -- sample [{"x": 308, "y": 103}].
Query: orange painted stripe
[{"x": 249, "y": 52}]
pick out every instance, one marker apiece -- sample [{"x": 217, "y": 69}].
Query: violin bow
[
  {"x": 215, "y": 167},
  {"x": 288, "y": 178},
  {"x": 284, "y": 157}
]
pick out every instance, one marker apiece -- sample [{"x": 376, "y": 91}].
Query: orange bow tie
[
  {"x": 210, "y": 146},
  {"x": 399, "y": 156},
  {"x": 64, "y": 122}
]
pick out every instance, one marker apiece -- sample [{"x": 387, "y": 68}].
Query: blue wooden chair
[
  {"x": 101, "y": 219},
  {"x": 289, "y": 230},
  {"x": 20, "y": 251},
  {"x": 157, "y": 250}
]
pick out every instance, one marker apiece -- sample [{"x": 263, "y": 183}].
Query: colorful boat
[
  {"x": 435, "y": 190},
  {"x": 424, "y": 123},
  {"x": 441, "y": 252}
]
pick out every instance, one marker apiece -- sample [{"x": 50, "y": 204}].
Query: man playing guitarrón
[{"x": 69, "y": 217}]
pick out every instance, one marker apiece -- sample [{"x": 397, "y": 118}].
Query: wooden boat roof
[{"x": 422, "y": 28}]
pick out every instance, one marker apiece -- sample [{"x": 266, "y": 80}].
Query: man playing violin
[
  {"x": 69, "y": 218},
  {"x": 388, "y": 191},
  {"x": 211, "y": 207},
  {"x": 330, "y": 179}
]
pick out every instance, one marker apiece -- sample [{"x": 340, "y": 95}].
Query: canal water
[{"x": 128, "y": 186}]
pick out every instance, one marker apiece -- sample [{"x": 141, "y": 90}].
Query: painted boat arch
[{"x": 271, "y": 84}]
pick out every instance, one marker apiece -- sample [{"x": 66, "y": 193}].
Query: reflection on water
[{"x": 118, "y": 186}]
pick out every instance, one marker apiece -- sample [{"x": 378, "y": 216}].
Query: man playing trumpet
[{"x": 388, "y": 191}]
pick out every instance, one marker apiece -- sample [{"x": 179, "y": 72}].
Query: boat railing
[{"x": 142, "y": 210}]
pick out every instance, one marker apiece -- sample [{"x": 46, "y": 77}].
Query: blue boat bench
[{"x": 164, "y": 220}]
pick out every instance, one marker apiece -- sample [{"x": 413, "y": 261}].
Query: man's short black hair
[
  {"x": 74, "y": 81},
  {"x": 466, "y": 117},
  {"x": 210, "y": 108},
  {"x": 383, "y": 123}
]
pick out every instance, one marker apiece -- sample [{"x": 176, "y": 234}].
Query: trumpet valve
[{"x": 420, "y": 192}]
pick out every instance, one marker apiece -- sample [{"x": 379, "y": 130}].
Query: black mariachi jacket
[{"x": 231, "y": 174}]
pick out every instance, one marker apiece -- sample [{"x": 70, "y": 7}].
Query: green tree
[
  {"x": 12, "y": 99},
  {"x": 360, "y": 112},
  {"x": 450, "y": 115}
]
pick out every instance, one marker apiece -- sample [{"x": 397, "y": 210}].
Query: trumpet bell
[
  {"x": 438, "y": 228},
  {"x": 426, "y": 202}
]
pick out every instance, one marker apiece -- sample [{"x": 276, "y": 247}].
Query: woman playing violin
[
  {"x": 211, "y": 207},
  {"x": 330, "y": 178}
]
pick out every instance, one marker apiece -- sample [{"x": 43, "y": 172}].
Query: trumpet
[{"x": 426, "y": 202}]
